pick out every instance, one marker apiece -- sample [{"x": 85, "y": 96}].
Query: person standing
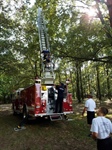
[
  {"x": 101, "y": 129},
  {"x": 59, "y": 102},
  {"x": 90, "y": 107}
]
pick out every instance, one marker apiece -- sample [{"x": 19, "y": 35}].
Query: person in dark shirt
[
  {"x": 46, "y": 58},
  {"x": 59, "y": 102}
]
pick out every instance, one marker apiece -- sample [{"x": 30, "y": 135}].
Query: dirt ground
[{"x": 69, "y": 135}]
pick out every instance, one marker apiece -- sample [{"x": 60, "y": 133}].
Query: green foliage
[{"x": 74, "y": 38}]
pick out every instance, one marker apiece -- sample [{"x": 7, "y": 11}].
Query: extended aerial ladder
[{"x": 47, "y": 73}]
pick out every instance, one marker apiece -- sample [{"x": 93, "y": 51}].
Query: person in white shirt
[
  {"x": 101, "y": 129},
  {"x": 90, "y": 107}
]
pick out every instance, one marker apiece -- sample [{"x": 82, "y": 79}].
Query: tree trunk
[
  {"x": 81, "y": 87},
  {"x": 72, "y": 83},
  {"x": 78, "y": 83},
  {"x": 59, "y": 76},
  {"x": 108, "y": 84},
  {"x": 109, "y": 6},
  {"x": 66, "y": 75},
  {"x": 108, "y": 33},
  {"x": 98, "y": 84},
  {"x": 89, "y": 87}
]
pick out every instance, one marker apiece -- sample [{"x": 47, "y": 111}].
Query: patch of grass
[{"x": 44, "y": 135}]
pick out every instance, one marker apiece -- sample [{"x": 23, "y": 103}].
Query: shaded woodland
[{"x": 80, "y": 44}]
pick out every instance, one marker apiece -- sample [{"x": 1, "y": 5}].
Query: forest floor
[{"x": 47, "y": 135}]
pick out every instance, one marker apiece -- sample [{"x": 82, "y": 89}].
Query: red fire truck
[{"x": 39, "y": 99}]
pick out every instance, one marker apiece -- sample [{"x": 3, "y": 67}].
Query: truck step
[{"x": 56, "y": 117}]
